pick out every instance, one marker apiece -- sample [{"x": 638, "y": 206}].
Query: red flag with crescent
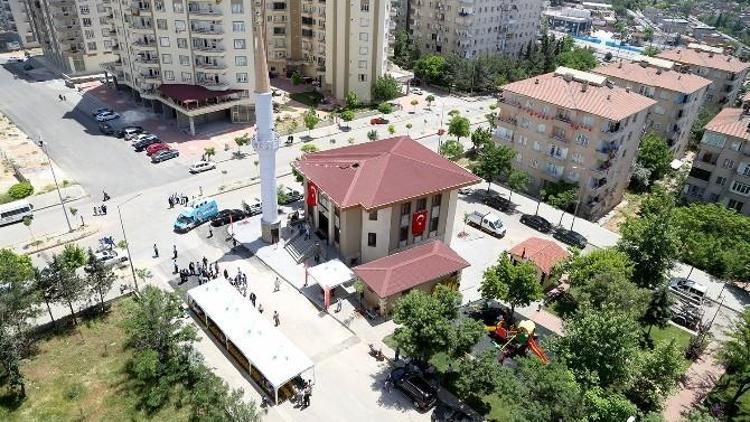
[
  {"x": 418, "y": 222},
  {"x": 312, "y": 194}
]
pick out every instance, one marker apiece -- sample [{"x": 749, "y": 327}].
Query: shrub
[
  {"x": 20, "y": 190},
  {"x": 385, "y": 108}
]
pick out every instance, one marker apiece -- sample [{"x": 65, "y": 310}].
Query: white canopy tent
[
  {"x": 266, "y": 348},
  {"x": 330, "y": 275}
]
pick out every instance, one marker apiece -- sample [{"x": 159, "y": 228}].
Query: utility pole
[
  {"x": 54, "y": 177},
  {"x": 125, "y": 238}
]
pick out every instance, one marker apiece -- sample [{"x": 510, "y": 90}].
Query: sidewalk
[
  {"x": 52, "y": 199},
  {"x": 701, "y": 378}
]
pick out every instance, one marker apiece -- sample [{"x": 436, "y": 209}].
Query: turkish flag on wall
[
  {"x": 418, "y": 222},
  {"x": 312, "y": 194}
]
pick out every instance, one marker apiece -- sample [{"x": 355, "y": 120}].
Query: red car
[
  {"x": 378, "y": 121},
  {"x": 154, "y": 148}
]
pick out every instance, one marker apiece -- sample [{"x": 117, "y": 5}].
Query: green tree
[
  {"x": 477, "y": 378},
  {"x": 402, "y": 49},
  {"x": 516, "y": 284},
  {"x": 430, "y": 68},
  {"x": 408, "y": 128},
  {"x": 651, "y": 51},
  {"x": 659, "y": 310},
  {"x": 479, "y": 138},
  {"x": 517, "y": 181},
  {"x": 311, "y": 119},
  {"x": 296, "y": 78},
  {"x": 491, "y": 120},
  {"x": 212, "y": 400},
  {"x": 600, "y": 347},
  {"x": 20, "y": 190},
  {"x": 654, "y": 154},
  {"x": 385, "y": 108},
  {"x": 607, "y": 406},
  {"x": 611, "y": 289},
  {"x": 648, "y": 34},
  {"x": 578, "y": 58},
  {"x": 347, "y": 116},
  {"x": 660, "y": 369},
  {"x": 705, "y": 115},
  {"x": 551, "y": 390},
  {"x": 74, "y": 256},
  {"x": 391, "y": 129},
  {"x": 62, "y": 284},
  {"x": 309, "y": 148},
  {"x": 414, "y": 103},
  {"x": 209, "y": 152},
  {"x": 385, "y": 88},
  {"x": 735, "y": 355},
  {"x": 18, "y": 296},
  {"x": 99, "y": 278},
  {"x": 372, "y": 135},
  {"x": 429, "y": 99},
  {"x": 241, "y": 141},
  {"x": 459, "y": 126},
  {"x": 494, "y": 162},
  {"x": 352, "y": 101},
  {"x": 426, "y": 324},
  {"x": 10, "y": 364},
  {"x": 564, "y": 199},
  {"x": 452, "y": 149},
  {"x": 583, "y": 267}
]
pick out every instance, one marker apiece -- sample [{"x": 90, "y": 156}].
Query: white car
[
  {"x": 105, "y": 117},
  {"x": 202, "y": 166},
  {"x": 110, "y": 258},
  {"x": 16, "y": 59},
  {"x": 416, "y": 91}
]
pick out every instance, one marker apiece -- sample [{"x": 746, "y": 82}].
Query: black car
[
  {"x": 570, "y": 237},
  {"x": 145, "y": 142},
  {"x": 290, "y": 196},
  {"x": 108, "y": 128},
  {"x": 127, "y": 130},
  {"x": 422, "y": 394},
  {"x": 537, "y": 222},
  {"x": 446, "y": 413},
  {"x": 165, "y": 154},
  {"x": 224, "y": 217},
  {"x": 498, "y": 203}
]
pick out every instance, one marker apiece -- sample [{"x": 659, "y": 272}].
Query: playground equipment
[{"x": 517, "y": 339}]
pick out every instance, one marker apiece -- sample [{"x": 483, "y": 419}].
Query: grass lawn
[
  {"x": 79, "y": 375},
  {"x": 723, "y": 392},
  {"x": 670, "y": 332},
  {"x": 309, "y": 98}
]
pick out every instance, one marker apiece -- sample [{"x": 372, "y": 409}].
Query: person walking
[
  {"x": 210, "y": 232},
  {"x": 191, "y": 268},
  {"x": 174, "y": 251},
  {"x": 338, "y": 305},
  {"x": 276, "y": 285},
  {"x": 226, "y": 273},
  {"x": 200, "y": 190},
  {"x": 276, "y": 321},
  {"x": 252, "y": 298},
  {"x": 171, "y": 202},
  {"x": 176, "y": 268},
  {"x": 96, "y": 210},
  {"x": 104, "y": 209},
  {"x": 205, "y": 262},
  {"x": 156, "y": 251},
  {"x": 260, "y": 308},
  {"x": 216, "y": 265}
]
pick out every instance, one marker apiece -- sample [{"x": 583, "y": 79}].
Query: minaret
[{"x": 266, "y": 141}]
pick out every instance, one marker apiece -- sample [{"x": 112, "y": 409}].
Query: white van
[
  {"x": 14, "y": 212},
  {"x": 689, "y": 289}
]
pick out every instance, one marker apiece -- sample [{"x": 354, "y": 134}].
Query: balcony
[
  {"x": 213, "y": 84},
  {"x": 141, "y": 27},
  {"x": 560, "y": 138},
  {"x": 144, "y": 45},
  {"x": 150, "y": 77},
  {"x": 209, "y": 50},
  {"x": 608, "y": 149},
  {"x": 507, "y": 119},
  {"x": 147, "y": 61},
  {"x": 206, "y": 31},
  {"x": 140, "y": 7},
  {"x": 210, "y": 66},
  {"x": 196, "y": 12}
]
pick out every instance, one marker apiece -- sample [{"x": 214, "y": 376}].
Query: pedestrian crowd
[
  {"x": 100, "y": 210},
  {"x": 177, "y": 199}
]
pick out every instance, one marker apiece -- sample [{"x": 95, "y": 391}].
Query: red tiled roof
[
  {"x": 693, "y": 57},
  {"x": 381, "y": 173},
  {"x": 652, "y": 76},
  {"x": 184, "y": 92},
  {"x": 731, "y": 122},
  {"x": 545, "y": 254},
  {"x": 405, "y": 270},
  {"x": 613, "y": 103}
]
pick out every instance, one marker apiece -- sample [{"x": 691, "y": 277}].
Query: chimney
[
  {"x": 729, "y": 58},
  {"x": 644, "y": 63},
  {"x": 658, "y": 71},
  {"x": 568, "y": 77},
  {"x": 536, "y": 81},
  {"x": 609, "y": 97},
  {"x": 710, "y": 55},
  {"x": 679, "y": 76},
  {"x": 584, "y": 86},
  {"x": 619, "y": 65},
  {"x": 627, "y": 89}
]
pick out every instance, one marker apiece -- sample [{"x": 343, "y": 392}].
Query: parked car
[
  {"x": 446, "y": 413},
  {"x": 110, "y": 258},
  {"x": 689, "y": 290},
  {"x": 131, "y": 136},
  {"x": 128, "y": 130},
  {"x": 154, "y": 148},
  {"x": 498, "y": 203},
  {"x": 107, "y": 116},
  {"x": 537, "y": 222},
  {"x": 416, "y": 91},
  {"x": 252, "y": 209},
  {"x": 422, "y": 394},
  {"x": 163, "y": 155},
  {"x": 570, "y": 237},
  {"x": 201, "y": 166},
  {"x": 225, "y": 216},
  {"x": 378, "y": 121},
  {"x": 107, "y": 128},
  {"x": 488, "y": 222},
  {"x": 144, "y": 142},
  {"x": 102, "y": 110},
  {"x": 292, "y": 196}
]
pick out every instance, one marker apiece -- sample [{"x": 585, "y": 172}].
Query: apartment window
[
  {"x": 86, "y": 22},
  {"x": 714, "y": 139},
  {"x": 403, "y": 234},
  {"x": 240, "y": 60},
  {"x": 581, "y": 139},
  {"x": 182, "y": 43},
  {"x": 85, "y": 10},
  {"x": 363, "y": 36},
  {"x": 735, "y": 205},
  {"x": 91, "y": 46},
  {"x": 280, "y": 30},
  {"x": 740, "y": 188},
  {"x": 363, "y": 64},
  {"x": 362, "y": 77},
  {"x": 537, "y": 146},
  {"x": 534, "y": 164},
  {"x": 364, "y": 22},
  {"x": 422, "y": 204},
  {"x": 166, "y": 58},
  {"x": 100, "y": 8},
  {"x": 184, "y": 60},
  {"x": 721, "y": 180},
  {"x": 364, "y": 5},
  {"x": 577, "y": 157},
  {"x": 728, "y": 163},
  {"x": 372, "y": 239},
  {"x": 363, "y": 51},
  {"x": 178, "y": 7},
  {"x": 161, "y": 24},
  {"x": 107, "y": 44},
  {"x": 434, "y": 221},
  {"x": 186, "y": 76},
  {"x": 168, "y": 75},
  {"x": 373, "y": 216},
  {"x": 238, "y": 26},
  {"x": 164, "y": 41},
  {"x": 237, "y": 7},
  {"x": 179, "y": 26},
  {"x": 541, "y": 128},
  {"x": 88, "y": 34},
  {"x": 242, "y": 78},
  {"x": 405, "y": 208},
  {"x": 239, "y": 44}
]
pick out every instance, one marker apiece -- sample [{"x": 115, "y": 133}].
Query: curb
[
  {"x": 65, "y": 202},
  {"x": 82, "y": 235}
]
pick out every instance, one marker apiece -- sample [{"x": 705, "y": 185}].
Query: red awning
[{"x": 184, "y": 92}]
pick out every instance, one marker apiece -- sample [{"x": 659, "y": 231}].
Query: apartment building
[
  {"x": 343, "y": 46},
  {"x": 14, "y": 17},
  {"x": 576, "y": 127},
  {"x": 471, "y": 28},
  {"x": 721, "y": 169},
  {"x": 679, "y": 96},
  {"x": 189, "y": 60},
  {"x": 77, "y": 36},
  {"x": 727, "y": 73}
]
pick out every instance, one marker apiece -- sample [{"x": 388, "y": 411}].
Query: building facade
[
  {"x": 727, "y": 73},
  {"x": 76, "y": 36},
  {"x": 471, "y": 28},
  {"x": 576, "y": 127},
  {"x": 570, "y": 20},
  {"x": 15, "y": 17},
  {"x": 679, "y": 97},
  {"x": 721, "y": 169}
]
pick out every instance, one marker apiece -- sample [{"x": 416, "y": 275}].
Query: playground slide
[{"x": 537, "y": 350}]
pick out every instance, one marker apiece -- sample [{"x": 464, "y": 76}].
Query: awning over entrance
[
  {"x": 330, "y": 274},
  {"x": 190, "y": 96}
]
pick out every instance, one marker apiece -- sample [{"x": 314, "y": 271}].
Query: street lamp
[
  {"x": 125, "y": 237},
  {"x": 54, "y": 178}
]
